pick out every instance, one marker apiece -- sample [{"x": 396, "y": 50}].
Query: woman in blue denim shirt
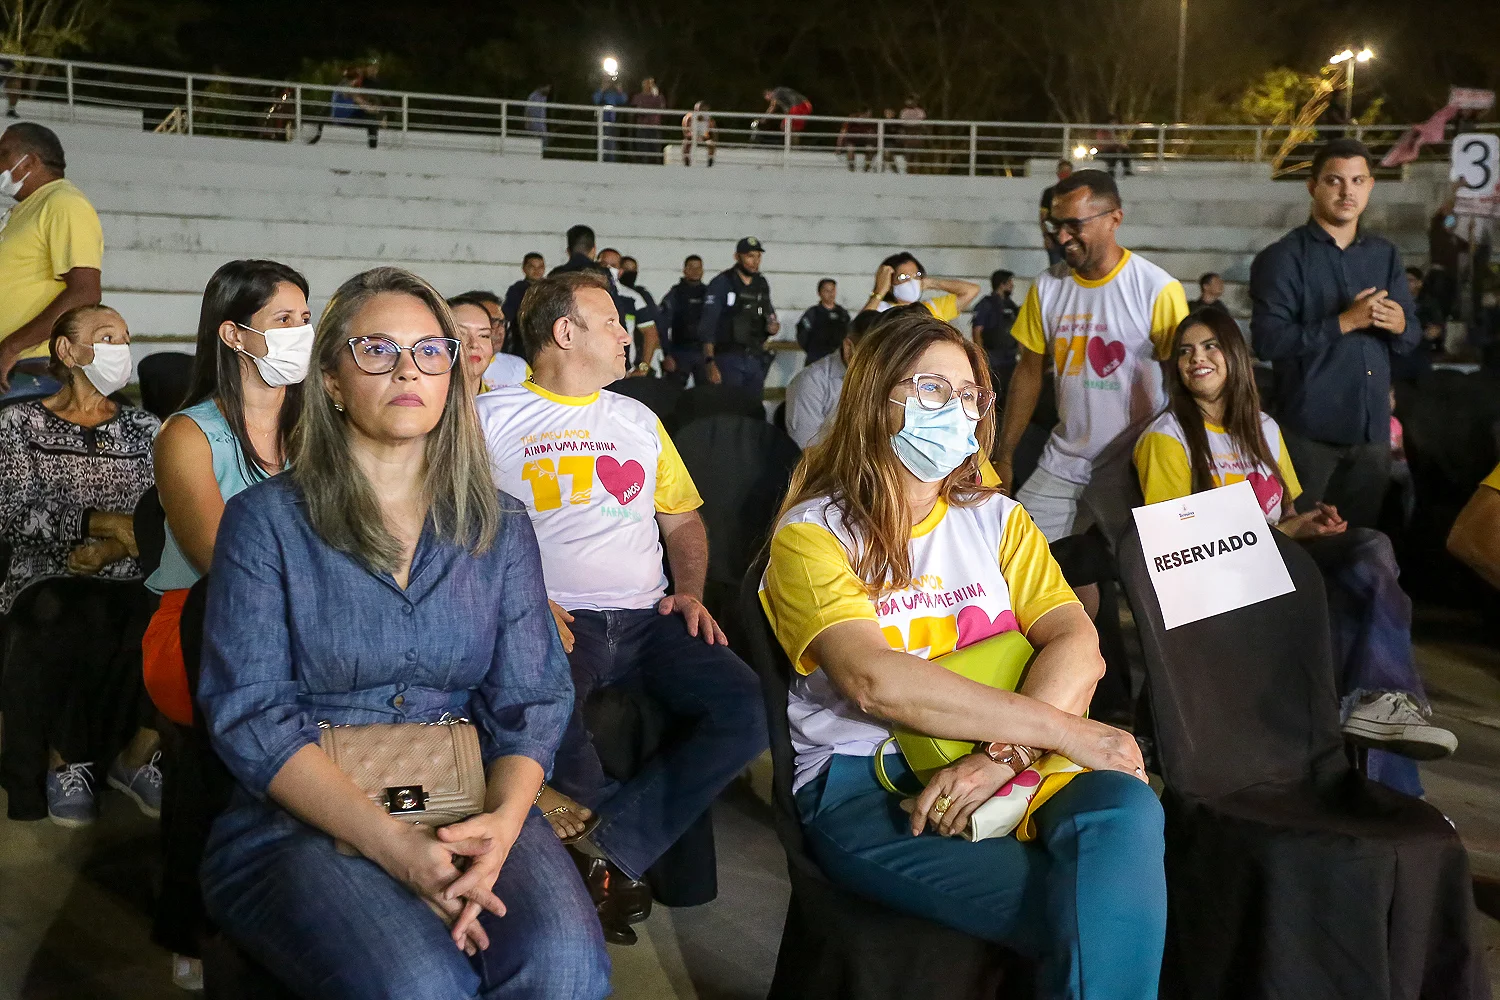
[{"x": 381, "y": 580}]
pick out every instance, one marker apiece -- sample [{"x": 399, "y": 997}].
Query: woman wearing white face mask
[
  {"x": 72, "y": 467},
  {"x": 901, "y": 280},
  {"x": 253, "y": 350}
]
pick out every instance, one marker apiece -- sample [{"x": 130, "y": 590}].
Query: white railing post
[
  {"x": 297, "y": 111},
  {"x": 190, "y": 104},
  {"x": 70, "y": 84},
  {"x": 1067, "y": 147},
  {"x": 599, "y": 135},
  {"x": 786, "y": 141},
  {"x": 880, "y": 145},
  {"x": 1161, "y": 143},
  {"x": 692, "y": 143},
  {"x": 973, "y": 148},
  {"x": 405, "y": 110},
  {"x": 504, "y": 114},
  {"x": 1260, "y": 143}
]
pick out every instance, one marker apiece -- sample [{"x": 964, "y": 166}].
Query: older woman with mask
[
  {"x": 72, "y": 467},
  {"x": 384, "y": 580}
]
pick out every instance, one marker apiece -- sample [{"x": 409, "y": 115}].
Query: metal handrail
[{"x": 282, "y": 109}]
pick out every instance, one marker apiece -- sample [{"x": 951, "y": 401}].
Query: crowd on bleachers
[{"x": 371, "y": 611}]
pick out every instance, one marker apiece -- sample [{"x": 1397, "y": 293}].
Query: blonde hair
[
  {"x": 856, "y": 466},
  {"x": 341, "y": 504}
]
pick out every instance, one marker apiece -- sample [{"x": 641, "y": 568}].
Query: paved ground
[{"x": 73, "y": 905}]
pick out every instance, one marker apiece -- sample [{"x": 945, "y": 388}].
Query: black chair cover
[
  {"x": 150, "y": 524},
  {"x": 835, "y": 943},
  {"x": 660, "y": 394},
  {"x": 707, "y": 399},
  {"x": 741, "y": 467},
  {"x": 165, "y": 379},
  {"x": 1288, "y": 874}
]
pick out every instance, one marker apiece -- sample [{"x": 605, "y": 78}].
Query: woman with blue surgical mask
[
  {"x": 889, "y": 553},
  {"x": 254, "y": 346},
  {"x": 901, "y": 280}
]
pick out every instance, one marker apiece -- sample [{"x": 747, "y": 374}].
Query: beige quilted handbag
[{"x": 428, "y": 773}]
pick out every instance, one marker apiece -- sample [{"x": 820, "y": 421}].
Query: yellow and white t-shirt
[
  {"x": 1105, "y": 338},
  {"x": 1166, "y": 471},
  {"x": 46, "y": 236},
  {"x": 943, "y": 307},
  {"x": 1493, "y": 479},
  {"x": 593, "y": 472},
  {"x": 504, "y": 369},
  {"x": 979, "y": 571}
]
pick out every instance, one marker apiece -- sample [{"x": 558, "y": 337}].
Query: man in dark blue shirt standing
[
  {"x": 994, "y": 315},
  {"x": 737, "y": 318},
  {"x": 1329, "y": 306},
  {"x": 533, "y": 268}
]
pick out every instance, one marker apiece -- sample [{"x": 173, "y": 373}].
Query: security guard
[{"x": 737, "y": 319}]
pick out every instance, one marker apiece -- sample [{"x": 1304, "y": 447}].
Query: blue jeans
[
  {"x": 1369, "y": 618},
  {"x": 721, "y": 727},
  {"x": 340, "y": 928},
  {"x": 1088, "y": 898},
  {"x": 744, "y": 368}
]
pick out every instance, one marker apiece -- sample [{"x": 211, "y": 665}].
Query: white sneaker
[
  {"x": 1393, "y": 721},
  {"x": 187, "y": 973}
]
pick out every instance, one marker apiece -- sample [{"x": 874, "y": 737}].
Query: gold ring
[{"x": 941, "y": 805}]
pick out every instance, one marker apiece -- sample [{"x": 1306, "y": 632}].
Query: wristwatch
[{"x": 1014, "y": 757}]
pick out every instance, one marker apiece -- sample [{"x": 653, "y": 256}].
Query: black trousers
[
  {"x": 1351, "y": 477},
  {"x": 71, "y": 681}
]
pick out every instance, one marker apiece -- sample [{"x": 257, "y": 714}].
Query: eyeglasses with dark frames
[
  {"x": 381, "y": 355},
  {"x": 1073, "y": 226},
  {"x": 934, "y": 391}
]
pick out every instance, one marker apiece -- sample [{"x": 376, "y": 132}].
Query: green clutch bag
[{"x": 998, "y": 662}]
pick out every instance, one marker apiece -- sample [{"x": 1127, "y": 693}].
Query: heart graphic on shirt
[
  {"x": 1267, "y": 491},
  {"x": 624, "y": 482},
  {"x": 1022, "y": 782},
  {"x": 1106, "y": 355},
  {"x": 974, "y": 624}
]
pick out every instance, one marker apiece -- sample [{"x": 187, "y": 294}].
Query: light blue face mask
[{"x": 934, "y": 442}]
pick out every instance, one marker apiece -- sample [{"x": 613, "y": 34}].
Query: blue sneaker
[
  {"x": 143, "y": 784},
  {"x": 70, "y": 795}
]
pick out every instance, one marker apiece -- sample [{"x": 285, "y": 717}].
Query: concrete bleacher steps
[{"x": 175, "y": 207}]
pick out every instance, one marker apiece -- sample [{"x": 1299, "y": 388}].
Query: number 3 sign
[{"x": 1476, "y": 170}]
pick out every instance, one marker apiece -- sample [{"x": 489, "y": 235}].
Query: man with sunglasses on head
[
  {"x": 1105, "y": 317},
  {"x": 607, "y": 493}
]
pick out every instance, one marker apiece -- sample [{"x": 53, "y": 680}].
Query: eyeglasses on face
[
  {"x": 1073, "y": 226},
  {"x": 381, "y": 355},
  {"x": 934, "y": 391}
]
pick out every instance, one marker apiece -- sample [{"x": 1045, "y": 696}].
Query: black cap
[{"x": 748, "y": 244}]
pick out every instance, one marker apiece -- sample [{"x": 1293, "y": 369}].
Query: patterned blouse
[{"x": 53, "y": 473}]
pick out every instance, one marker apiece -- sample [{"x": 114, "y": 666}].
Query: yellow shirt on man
[{"x": 46, "y": 236}]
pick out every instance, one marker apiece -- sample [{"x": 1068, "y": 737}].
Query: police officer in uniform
[
  {"x": 681, "y": 312},
  {"x": 822, "y": 328},
  {"x": 737, "y": 319}
]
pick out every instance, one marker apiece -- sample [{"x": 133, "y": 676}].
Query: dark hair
[
  {"x": 893, "y": 262},
  {"x": 690, "y": 258},
  {"x": 1206, "y": 277},
  {"x": 477, "y": 299},
  {"x": 606, "y": 250},
  {"x": 1416, "y": 272},
  {"x": 533, "y": 255},
  {"x": 1000, "y": 277},
  {"x": 477, "y": 296},
  {"x": 864, "y": 321},
  {"x": 41, "y": 142},
  {"x": 1340, "y": 149},
  {"x": 1065, "y": 163},
  {"x": 1241, "y": 400},
  {"x": 826, "y": 281},
  {"x": 236, "y": 292},
  {"x": 65, "y": 326},
  {"x": 1100, "y": 184},
  {"x": 580, "y": 239},
  {"x": 548, "y": 301},
  {"x": 631, "y": 259}
]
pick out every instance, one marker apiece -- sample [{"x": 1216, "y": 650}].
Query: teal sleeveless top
[{"x": 230, "y": 472}]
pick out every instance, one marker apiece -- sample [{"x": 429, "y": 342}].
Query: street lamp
[
  {"x": 611, "y": 67},
  {"x": 1347, "y": 59}
]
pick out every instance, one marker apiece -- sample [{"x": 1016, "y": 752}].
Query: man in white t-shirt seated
[{"x": 607, "y": 492}]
